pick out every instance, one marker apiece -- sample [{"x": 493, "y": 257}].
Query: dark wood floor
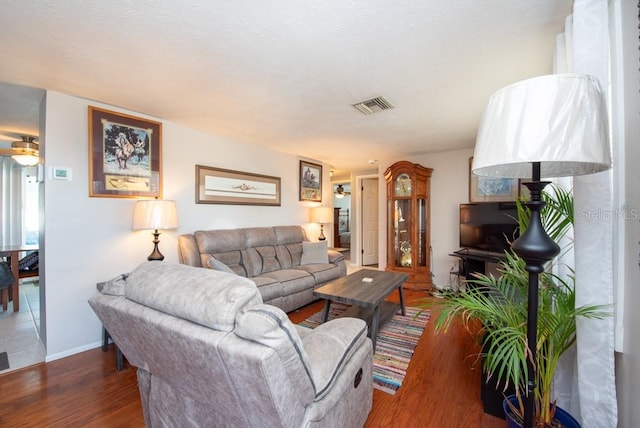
[{"x": 441, "y": 388}]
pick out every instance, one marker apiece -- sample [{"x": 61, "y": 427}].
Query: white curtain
[
  {"x": 10, "y": 202},
  {"x": 585, "y": 381}
]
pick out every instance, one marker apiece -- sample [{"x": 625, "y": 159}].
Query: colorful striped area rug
[{"x": 396, "y": 341}]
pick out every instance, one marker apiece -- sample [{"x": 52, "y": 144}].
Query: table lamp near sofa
[
  {"x": 548, "y": 126},
  {"x": 322, "y": 216},
  {"x": 155, "y": 214}
]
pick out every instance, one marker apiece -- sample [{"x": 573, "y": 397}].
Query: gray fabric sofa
[
  {"x": 210, "y": 354},
  {"x": 269, "y": 256}
]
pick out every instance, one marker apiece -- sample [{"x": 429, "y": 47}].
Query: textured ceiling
[{"x": 284, "y": 74}]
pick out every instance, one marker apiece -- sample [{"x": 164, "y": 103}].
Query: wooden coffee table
[{"x": 367, "y": 298}]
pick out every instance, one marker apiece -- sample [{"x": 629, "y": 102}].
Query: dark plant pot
[
  {"x": 562, "y": 415},
  {"x": 492, "y": 392}
]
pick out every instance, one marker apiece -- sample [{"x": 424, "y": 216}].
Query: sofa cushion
[
  {"x": 322, "y": 272},
  {"x": 314, "y": 252},
  {"x": 263, "y": 260},
  {"x": 289, "y": 254},
  {"x": 203, "y": 296},
  {"x": 260, "y": 237},
  {"x": 293, "y": 280},
  {"x": 289, "y": 234},
  {"x": 269, "y": 288},
  {"x": 262, "y": 281},
  {"x": 236, "y": 260},
  {"x": 216, "y": 264}
]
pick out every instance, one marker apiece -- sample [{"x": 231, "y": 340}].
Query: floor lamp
[{"x": 548, "y": 126}]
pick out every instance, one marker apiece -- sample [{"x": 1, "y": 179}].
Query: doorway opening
[
  {"x": 20, "y": 192},
  {"x": 369, "y": 223},
  {"x": 342, "y": 220}
]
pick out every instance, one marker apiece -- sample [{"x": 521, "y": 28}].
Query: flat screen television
[{"x": 490, "y": 226}]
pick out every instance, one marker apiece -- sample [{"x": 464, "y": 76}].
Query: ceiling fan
[
  {"x": 25, "y": 152},
  {"x": 340, "y": 192}
]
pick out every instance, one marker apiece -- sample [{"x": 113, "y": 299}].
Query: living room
[{"x": 89, "y": 240}]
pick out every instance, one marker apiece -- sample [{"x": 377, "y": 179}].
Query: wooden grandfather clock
[{"x": 408, "y": 223}]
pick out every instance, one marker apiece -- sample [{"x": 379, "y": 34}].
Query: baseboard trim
[{"x": 73, "y": 351}]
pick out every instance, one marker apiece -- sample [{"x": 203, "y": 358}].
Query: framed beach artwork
[
  {"x": 225, "y": 186},
  {"x": 492, "y": 189},
  {"x": 125, "y": 155},
  {"x": 310, "y": 181}
]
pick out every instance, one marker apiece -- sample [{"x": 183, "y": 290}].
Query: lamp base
[
  {"x": 321, "y": 237},
  {"x": 155, "y": 255},
  {"x": 536, "y": 248}
]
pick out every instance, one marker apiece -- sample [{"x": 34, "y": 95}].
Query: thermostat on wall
[{"x": 59, "y": 173}]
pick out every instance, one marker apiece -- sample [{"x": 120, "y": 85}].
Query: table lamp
[
  {"x": 321, "y": 215},
  {"x": 548, "y": 126},
  {"x": 153, "y": 215}
]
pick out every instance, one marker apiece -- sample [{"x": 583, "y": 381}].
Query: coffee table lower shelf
[{"x": 387, "y": 311}]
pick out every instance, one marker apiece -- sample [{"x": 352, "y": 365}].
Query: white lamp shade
[
  {"x": 321, "y": 215},
  {"x": 558, "y": 120},
  {"x": 155, "y": 214}
]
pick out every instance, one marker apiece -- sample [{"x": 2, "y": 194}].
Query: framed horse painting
[
  {"x": 125, "y": 155},
  {"x": 310, "y": 181}
]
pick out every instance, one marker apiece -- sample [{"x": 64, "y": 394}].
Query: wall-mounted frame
[
  {"x": 310, "y": 181},
  {"x": 491, "y": 189},
  {"x": 224, "y": 186},
  {"x": 125, "y": 155}
]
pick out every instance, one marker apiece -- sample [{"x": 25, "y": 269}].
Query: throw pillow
[
  {"x": 216, "y": 264},
  {"x": 314, "y": 252}
]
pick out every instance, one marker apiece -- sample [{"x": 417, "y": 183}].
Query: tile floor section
[{"x": 19, "y": 335}]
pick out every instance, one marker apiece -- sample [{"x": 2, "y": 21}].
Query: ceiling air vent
[{"x": 373, "y": 105}]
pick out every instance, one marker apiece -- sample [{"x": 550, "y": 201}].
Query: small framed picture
[
  {"x": 492, "y": 189},
  {"x": 310, "y": 181},
  {"x": 125, "y": 158}
]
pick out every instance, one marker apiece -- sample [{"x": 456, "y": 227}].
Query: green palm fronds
[{"x": 500, "y": 304}]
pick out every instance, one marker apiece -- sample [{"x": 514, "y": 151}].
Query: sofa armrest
[
  {"x": 329, "y": 347},
  {"x": 335, "y": 256}
]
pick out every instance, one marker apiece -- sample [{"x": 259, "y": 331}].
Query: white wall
[
  {"x": 449, "y": 188},
  {"x": 89, "y": 240}
]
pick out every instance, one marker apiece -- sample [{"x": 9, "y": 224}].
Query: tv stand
[{"x": 475, "y": 261}]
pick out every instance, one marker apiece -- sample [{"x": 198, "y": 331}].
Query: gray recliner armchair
[{"x": 209, "y": 353}]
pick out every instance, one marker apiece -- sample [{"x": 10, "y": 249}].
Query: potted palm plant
[{"x": 500, "y": 305}]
